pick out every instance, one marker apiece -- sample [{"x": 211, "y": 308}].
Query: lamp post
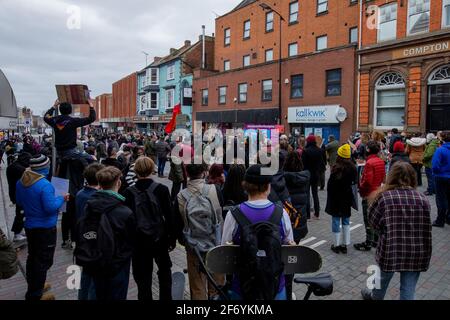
[{"x": 268, "y": 8}]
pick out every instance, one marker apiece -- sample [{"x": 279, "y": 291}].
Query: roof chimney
[{"x": 187, "y": 43}]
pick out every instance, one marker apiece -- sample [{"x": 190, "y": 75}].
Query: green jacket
[
  {"x": 150, "y": 148},
  {"x": 429, "y": 152},
  {"x": 332, "y": 149}
]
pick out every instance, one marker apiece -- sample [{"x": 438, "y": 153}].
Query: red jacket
[{"x": 373, "y": 175}]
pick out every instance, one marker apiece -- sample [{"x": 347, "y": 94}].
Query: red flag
[{"x": 173, "y": 123}]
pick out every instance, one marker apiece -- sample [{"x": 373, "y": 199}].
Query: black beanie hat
[{"x": 254, "y": 176}]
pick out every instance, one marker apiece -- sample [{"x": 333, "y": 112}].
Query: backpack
[
  {"x": 202, "y": 231},
  {"x": 260, "y": 263},
  {"x": 9, "y": 264},
  {"x": 95, "y": 243},
  {"x": 149, "y": 218}
]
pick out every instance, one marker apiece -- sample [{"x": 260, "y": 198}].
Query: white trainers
[{"x": 19, "y": 237}]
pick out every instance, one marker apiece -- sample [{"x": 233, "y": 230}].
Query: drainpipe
[
  {"x": 203, "y": 48},
  {"x": 359, "y": 63}
]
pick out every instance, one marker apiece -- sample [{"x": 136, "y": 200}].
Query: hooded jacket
[
  {"x": 429, "y": 153},
  {"x": 122, "y": 223},
  {"x": 36, "y": 196},
  {"x": 313, "y": 160},
  {"x": 415, "y": 149},
  {"x": 441, "y": 162}
]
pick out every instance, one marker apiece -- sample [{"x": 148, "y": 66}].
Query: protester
[
  {"x": 399, "y": 154},
  {"x": 415, "y": 149},
  {"x": 257, "y": 209},
  {"x": 401, "y": 216},
  {"x": 155, "y": 235},
  {"x": 177, "y": 176},
  {"x": 150, "y": 148},
  {"x": 9, "y": 262},
  {"x": 395, "y": 137},
  {"x": 65, "y": 128},
  {"x": 332, "y": 149},
  {"x": 313, "y": 160},
  {"x": 232, "y": 191},
  {"x": 205, "y": 200},
  {"x": 36, "y": 195},
  {"x": 112, "y": 160},
  {"x": 111, "y": 281},
  {"x": 432, "y": 145},
  {"x": 162, "y": 150},
  {"x": 323, "y": 168},
  {"x": 87, "y": 287},
  {"x": 216, "y": 175},
  {"x": 340, "y": 197},
  {"x": 373, "y": 176},
  {"x": 441, "y": 172},
  {"x": 13, "y": 174}
]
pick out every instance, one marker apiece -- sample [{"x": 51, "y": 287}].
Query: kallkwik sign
[{"x": 316, "y": 114}]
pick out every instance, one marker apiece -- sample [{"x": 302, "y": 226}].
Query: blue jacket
[
  {"x": 36, "y": 195},
  {"x": 441, "y": 162},
  {"x": 81, "y": 200}
]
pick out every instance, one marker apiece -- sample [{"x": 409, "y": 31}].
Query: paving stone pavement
[{"x": 349, "y": 271}]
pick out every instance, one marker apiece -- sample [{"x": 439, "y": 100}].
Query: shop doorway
[{"x": 438, "y": 109}]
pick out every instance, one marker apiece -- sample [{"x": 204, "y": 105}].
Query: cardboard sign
[{"x": 73, "y": 94}]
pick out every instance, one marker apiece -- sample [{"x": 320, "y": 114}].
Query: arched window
[
  {"x": 390, "y": 96},
  {"x": 439, "y": 86}
]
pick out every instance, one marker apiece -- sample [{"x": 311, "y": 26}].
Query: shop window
[
  {"x": 390, "y": 96},
  {"x": 418, "y": 16},
  {"x": 387, "y": 22},
  {"x": 267, "y": 90}
]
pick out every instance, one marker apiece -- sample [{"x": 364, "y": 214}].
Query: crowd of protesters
[{"x": 116, "y": 188}]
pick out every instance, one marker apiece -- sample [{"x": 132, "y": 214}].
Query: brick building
[
  {"x": 124, "y": 95},
  {"x": 405, "y": 72},
  {"x": 104, "y": 109},
  {"x": 318, "y": 68}
]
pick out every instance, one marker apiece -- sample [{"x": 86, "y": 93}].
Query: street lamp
[
  {"x": 268, "y": 8},
  {"x": 146, "y": 58}
]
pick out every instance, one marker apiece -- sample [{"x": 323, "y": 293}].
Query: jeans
[
  {"x": 87, "y": 288},
  {"x": 109, "y": 288},
  {"x": 315, "y": 195},
  {"x": 336, "y": 223},
  {"x": 408, "y": 282},
  {"x": 17, "y": 226},
  {"x": 161, "y": 166},
  {"x": 430, "y": 177},
  {"x": 41, "y": 249},
  {"x": 418, "y": 168},
  {"x": 442, "y": 199},
  {"x": 143, "y": 271},
  {"x": 371, "y": 235}
]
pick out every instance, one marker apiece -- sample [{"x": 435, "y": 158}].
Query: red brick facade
[{"x": 124, "y": 94}]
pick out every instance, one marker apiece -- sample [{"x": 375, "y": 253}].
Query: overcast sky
[{"x": 38, "y": 50}]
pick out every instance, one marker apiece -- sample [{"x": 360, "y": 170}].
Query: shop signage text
[
  {"x": 422, "y": 50},
  {"x": 317, "y": 114}
]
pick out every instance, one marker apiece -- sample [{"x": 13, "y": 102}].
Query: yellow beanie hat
[{"x": 345, "y": 151}]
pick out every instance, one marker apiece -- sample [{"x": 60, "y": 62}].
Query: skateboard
[
  {"x": 297, "y": 260},
  {"x": 178, "y": 284}
]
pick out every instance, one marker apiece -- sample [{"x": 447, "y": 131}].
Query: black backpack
[
  {"x": 149, "y": 218},
  {"x": 260, "y": 264},
  {"x": 95, "y": 243}
]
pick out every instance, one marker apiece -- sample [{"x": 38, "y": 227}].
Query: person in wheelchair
[{"x": 266, "y": 280}]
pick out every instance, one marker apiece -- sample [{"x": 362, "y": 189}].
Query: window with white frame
[
  {"x": 293, "y": 12},
  {"x": 222, "y": 95},
  {"x": 293, "y": 49},
  {"x": 143, "y": 103},
  {"x": 170, "y": 98},
  {"x": 246, "y": 60},
  {"x": 418, "y": 16},
  {"x": 269, "y": 55},
  {"x": 267, "y": 90},
  {"x": 321, "y": 43},
  {"x": 439, "y": 86},
  {"x": 269, "y": 21},
  {"x": 243, "y": 87},
  {"x": 154, "y": 76},
  {"x": 171, "y": 72},
  {"x": 247, "y": 26},
  {"x": 390, "y": 97},
  {"x": 154, "y": 100},
  {"x": 445, "y": 13},
  {"x": 226, "y": 65},
  {"x": 227, "y": 36},
  {"x": 387, "y": 22},
  {"x": 205, "y": 97},
  {"x": 322, "y": 6}
]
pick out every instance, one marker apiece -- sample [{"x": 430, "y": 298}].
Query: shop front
[
  {"x": 321, "y": 121},
  {"x": 156, "y": 123},
  {"x": 406, "y": 85}
]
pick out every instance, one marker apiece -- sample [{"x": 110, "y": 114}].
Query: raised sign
[
  {"x": 421, "y": 50},
  {"x": 317, "y": 114}
]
